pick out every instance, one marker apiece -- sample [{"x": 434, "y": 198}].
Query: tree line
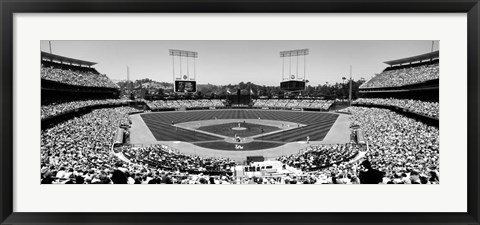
[{"x": 150, "y": 89}]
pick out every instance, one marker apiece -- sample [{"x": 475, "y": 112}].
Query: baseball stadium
[{"x": 381, "y": 130}]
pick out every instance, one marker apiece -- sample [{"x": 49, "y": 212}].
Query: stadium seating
[
  {"x": 75, "y": 75},
  {"x": 77, "y": 151},
  {"x": 320, "y": 156},
  {"x": 430, "y": 109},
  {"x": 397, "y": 151},
  {"x": 164, "y": 157},
  {"x": 401, "y": 76},
  {"x": 294, "y": 103},
  {"x": 80, "y": 147},
  {"x": 56, "y": 108},
  {"x": 174, "y": 104}
]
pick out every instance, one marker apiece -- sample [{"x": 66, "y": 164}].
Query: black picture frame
[{"x": 9, "y": 7}]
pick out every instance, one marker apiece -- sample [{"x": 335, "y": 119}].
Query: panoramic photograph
[{"x": 240, "y": 112}]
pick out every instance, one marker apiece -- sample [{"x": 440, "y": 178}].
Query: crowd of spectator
[
  {"x": 400, "y": 151},
  {"x": 56, "y": 108},
  {"x": 403, "y": 149},
  {"x": 165, "y": 157},
  {"x": 404, "y": 76},
  {"x": 78, "y": 150},
  {"x": 319, "y": 156},
  {"x": 430, "y": 109},
  {"x": 174, "y": 104},
  {"x": 294, "y": 103},
  {"x": 75, "y": 75}
]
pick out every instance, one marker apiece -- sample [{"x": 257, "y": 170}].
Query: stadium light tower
[
  {"x": 184, "y": 83},
  {"x": 292, "y": 82}
]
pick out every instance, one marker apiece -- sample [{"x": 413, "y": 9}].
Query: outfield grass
[{"x": 226, "y": 129}]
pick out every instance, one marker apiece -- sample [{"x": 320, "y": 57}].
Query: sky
[{"x": 231, "y": 62}]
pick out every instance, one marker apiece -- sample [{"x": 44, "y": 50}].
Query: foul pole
[
  {"x": 350, "y": 92},
  {"x": 128, "y": 80}
]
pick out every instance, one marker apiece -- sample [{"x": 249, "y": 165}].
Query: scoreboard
[
  {"x": 292, "y": 85},
  {"x": 185, "y": 86}
]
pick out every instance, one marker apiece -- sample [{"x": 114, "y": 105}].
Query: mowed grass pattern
[
  {"x": 226, "y": 129},
  {"x": 318, "y": 124}
]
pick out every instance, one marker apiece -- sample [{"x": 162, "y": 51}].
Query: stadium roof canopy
[
  {"x": 417, "y": 58},
  {"x": 66, "y": 60}
]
